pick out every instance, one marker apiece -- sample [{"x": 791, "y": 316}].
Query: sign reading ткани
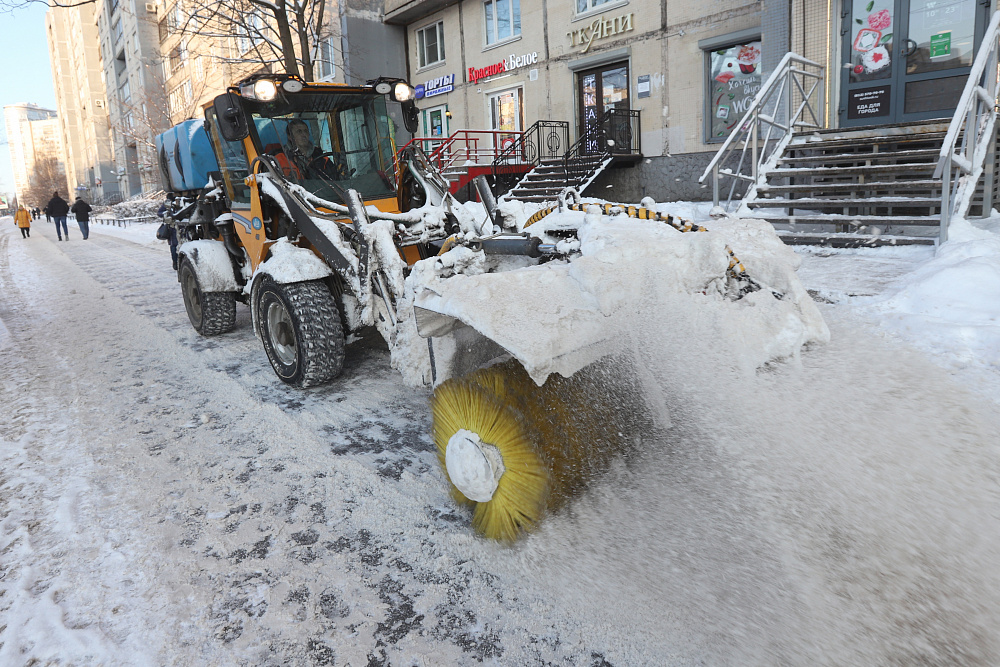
[
  {"x": 601, "y": 28},
  {"x": 511, "y": 63}
]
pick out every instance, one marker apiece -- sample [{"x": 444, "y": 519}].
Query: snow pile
[
  {"x": 948, "y": 305},
  {"x": 563, "y": 315},
  {"x": 140, "y": 206}
]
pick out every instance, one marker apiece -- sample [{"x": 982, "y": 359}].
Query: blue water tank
[{"x": 185, "y": 156}]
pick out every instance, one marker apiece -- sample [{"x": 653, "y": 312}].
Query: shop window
[
  {"x": 503, "y": 20},
  {"x": 584, "y": 6},
  {"x": 733, "y": 80},
  {"x": 430, "y": 44}
]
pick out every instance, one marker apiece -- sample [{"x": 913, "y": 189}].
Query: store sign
[
  {"x": 510, "y": 64},
  {"x": 868, "y": 103},
  {"x": 438, "y": 86},
  {"x": 601, "y": 28}
]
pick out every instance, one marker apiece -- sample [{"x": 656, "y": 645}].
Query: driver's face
[{"x": 300, "y": 136}]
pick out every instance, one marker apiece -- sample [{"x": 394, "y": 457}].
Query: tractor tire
[
  {"x": 211, "y": 313},
  {"x": 300, "y": 327}
]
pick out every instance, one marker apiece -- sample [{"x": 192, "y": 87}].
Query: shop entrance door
[
  {"x": 505, "y": 116},
  {"x": 908, "y": 59},
  {"x": 599, "y": 90},
  {"x": 435, "y": 126}
]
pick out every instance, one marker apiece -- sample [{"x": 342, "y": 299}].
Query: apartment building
[
  {"x": 132, "y": 67},
  {"x": 34, "y": 136},
  {"x": 81, "y": 102}
]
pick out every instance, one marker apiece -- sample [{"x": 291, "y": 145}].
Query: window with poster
[
  {"x": 435, "y": 126},
  {"x": 732, "y": 81},
  {"x": 506, "y": 114}
]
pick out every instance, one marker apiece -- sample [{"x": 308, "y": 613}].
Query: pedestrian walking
[
  {"x": 45, "y": 210},
  {"x": 171, "y": 230},
  {"x": 82, "y": 210},
  {"x": 23, "y": 220},
  {"x": 59, "y": 209}
]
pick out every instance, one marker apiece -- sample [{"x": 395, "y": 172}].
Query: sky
[{"x": 25, "y": 72}]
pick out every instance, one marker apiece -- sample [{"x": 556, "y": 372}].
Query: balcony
[{"x": 403, "y": 12}]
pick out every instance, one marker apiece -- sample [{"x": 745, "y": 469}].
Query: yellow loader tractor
[{"x": 292, "y": 199}]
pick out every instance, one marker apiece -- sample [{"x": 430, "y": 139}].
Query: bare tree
[
  {"x": 47, "y": 177},
  {"x": 278, "y": 34},
  {"x": 282, "y": 35}
]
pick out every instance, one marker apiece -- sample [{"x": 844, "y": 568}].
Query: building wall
[
  {"x": 81, "y": 101},
  {"x": 136, "y": 94},
  {"x": 34, "y": 135},
  {"x": 659, "y": 41}
]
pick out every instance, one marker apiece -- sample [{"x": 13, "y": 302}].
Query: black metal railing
[
  {"x": 615, "y": 132},
  {"x": 546, "y": 139}
]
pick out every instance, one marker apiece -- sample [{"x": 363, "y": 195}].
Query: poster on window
[
  {"x": 735, "y": 80},
  {"x": 871, "y": 40}
]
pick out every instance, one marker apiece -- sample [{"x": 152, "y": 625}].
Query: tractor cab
[{"x": 325, "y": 137}]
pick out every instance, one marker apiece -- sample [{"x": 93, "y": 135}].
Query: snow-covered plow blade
[{"x": 534, "y": 357}]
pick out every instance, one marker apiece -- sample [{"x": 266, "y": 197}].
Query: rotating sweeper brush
[{"x": 514, "y": 450}]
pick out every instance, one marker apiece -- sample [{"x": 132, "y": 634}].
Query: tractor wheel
[
  {"x": 299, "y": 324},
  {"x": 211, "y": 313}
]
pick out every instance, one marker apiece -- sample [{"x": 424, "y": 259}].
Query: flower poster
[{"x": 734, "y": 82}]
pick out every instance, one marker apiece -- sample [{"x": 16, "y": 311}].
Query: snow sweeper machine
[{"x": 292, "y": 199}]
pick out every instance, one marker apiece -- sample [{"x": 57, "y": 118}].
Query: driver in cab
[{"x": 301, "y": 158}]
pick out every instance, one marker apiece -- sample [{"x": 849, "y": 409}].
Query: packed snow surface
[{"x": 164, "y": 500}]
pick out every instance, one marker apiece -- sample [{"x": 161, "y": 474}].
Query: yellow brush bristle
[
  {"x": 553, "y": 439},
  {"x": 473, "y": 403}
]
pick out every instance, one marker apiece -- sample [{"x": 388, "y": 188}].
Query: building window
[
  {"x": 584, "y": 6},
  {"x": 503, "y": 20},
  {"x": 179, "y": 99},
  {"x": 733, "y": 80},
  {"x": 116, "y": 32},
  {"x": 178, "y": 56},
  {"x": 124, "y": 94},
  {"x": 325, "y": 68},
  {"x": 430, "y": 44}
]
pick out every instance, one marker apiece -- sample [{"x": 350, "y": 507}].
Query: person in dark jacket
[
  {"x": 59, "y": 209},
  {"x": 171, "y": 230},
  {"x": 82, "y": 210}
]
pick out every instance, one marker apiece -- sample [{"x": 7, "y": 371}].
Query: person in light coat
[{"x": 23, "y": 220}]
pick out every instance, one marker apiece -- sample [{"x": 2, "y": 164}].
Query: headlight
[
  {"x": 265, "y": 90},
  {"x": 404, "y": 92}
]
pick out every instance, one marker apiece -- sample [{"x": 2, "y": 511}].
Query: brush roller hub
[{"x": 474, "y": 466}]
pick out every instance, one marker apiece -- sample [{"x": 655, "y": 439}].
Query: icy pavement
[{"x": 165, "y": 500}]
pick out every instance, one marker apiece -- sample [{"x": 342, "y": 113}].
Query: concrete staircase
[
  {"x": 545, "y": 182},
  {"x": 855, "y": 187}
]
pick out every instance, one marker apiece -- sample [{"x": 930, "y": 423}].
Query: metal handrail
[
  {"x": 768, "y": 124},
  {"x": 465, "y": 142},
  {"x": 962, "y": 158}
]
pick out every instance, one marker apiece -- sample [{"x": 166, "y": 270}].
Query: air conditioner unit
[
  {"x": 99, "y": 104},
  {"x": 151, "y": 7}
]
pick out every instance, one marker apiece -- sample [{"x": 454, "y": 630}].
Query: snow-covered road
[{"x": 165, "y": 500}]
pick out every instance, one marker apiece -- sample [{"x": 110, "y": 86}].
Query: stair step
[
  {"x": 907, "y": 168},
  {"x": 833, "y": 188},
  {"x": 867, "y": 202},
  {"x": 914, "y": 127},
  {"x": 840, "y": 240},
  {"x": 858, "y": 220},
  {"x": 810, "y": 142},
  {"x": 927, "y": 153}
]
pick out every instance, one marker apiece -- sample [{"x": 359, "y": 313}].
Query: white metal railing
[
  {"x": 791, "y": 98},
  {"x": 962, "y": 159}
]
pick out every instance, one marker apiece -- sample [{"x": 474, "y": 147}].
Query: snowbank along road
[{"x": 165, "y": 500}]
